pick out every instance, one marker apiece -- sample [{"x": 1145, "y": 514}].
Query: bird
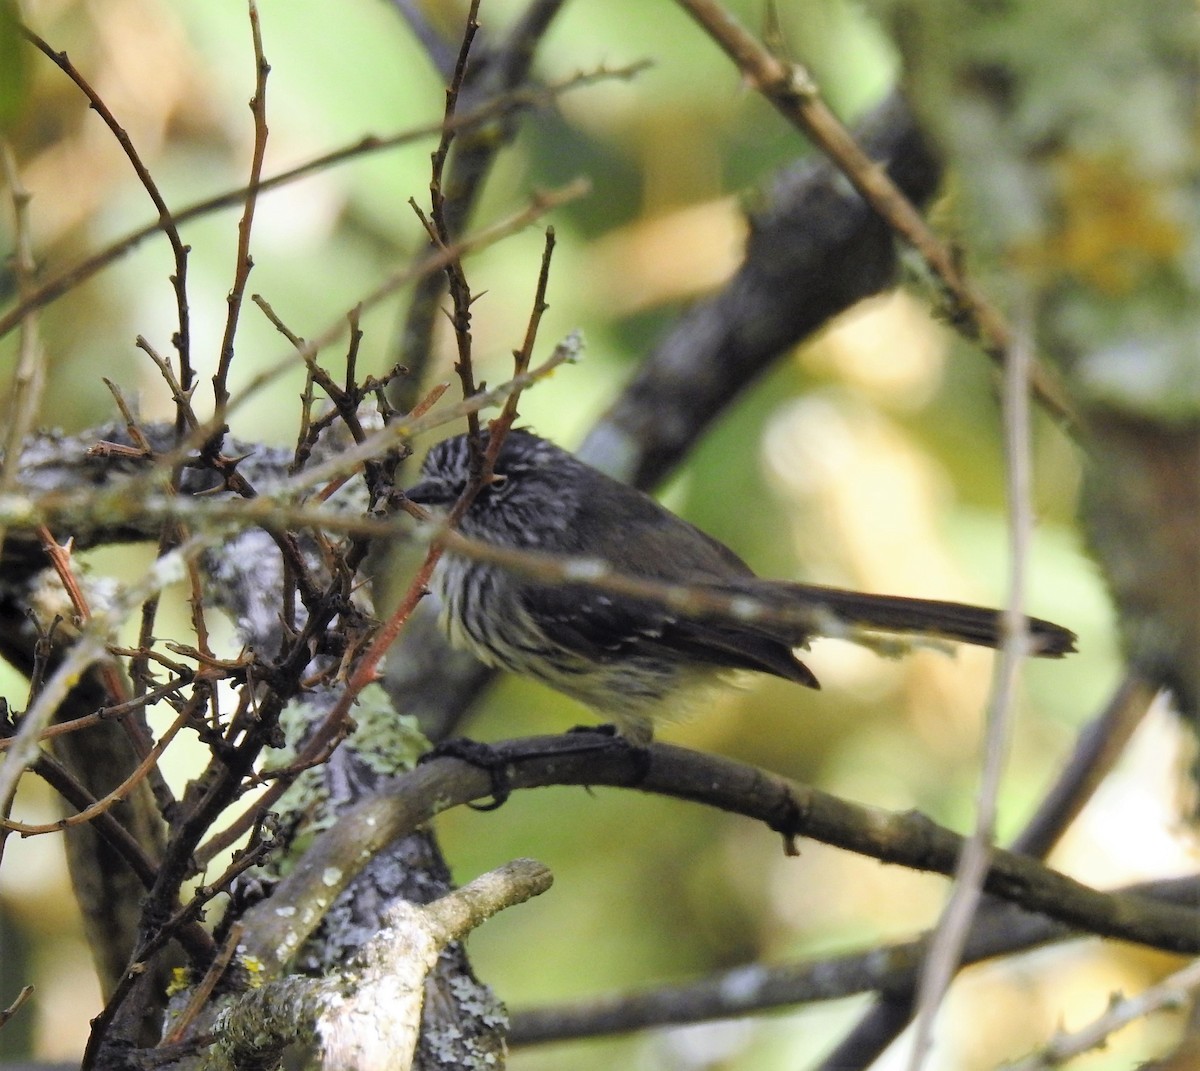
[{"x": 633, "y": 658}]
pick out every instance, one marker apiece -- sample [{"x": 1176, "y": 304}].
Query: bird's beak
[{"x": 425, "y": 493}]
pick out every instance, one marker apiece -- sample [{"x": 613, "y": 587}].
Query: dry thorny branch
[{"x": 298, "y": 738}]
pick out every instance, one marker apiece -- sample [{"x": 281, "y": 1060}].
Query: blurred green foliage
[{"x": 14, "y": 66}]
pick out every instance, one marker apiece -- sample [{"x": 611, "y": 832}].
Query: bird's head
[{"x": 533, "y": 490}]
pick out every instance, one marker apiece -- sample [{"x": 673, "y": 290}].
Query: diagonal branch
[{"x": 790, "y": 89}]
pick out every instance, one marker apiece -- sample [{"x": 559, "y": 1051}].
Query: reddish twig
[
  {"x": 199, "y": 996},
  {"x": 332, "y": 728},
  {"x": 114, "y": 686},
  {"x": 119, "y": 793},
  {"x": 124, "y": 843},
  {"x": 86, "y": 721}
]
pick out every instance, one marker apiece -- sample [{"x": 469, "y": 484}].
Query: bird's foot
[
  {"x": 492, "y": 760},
  {"x": 611, "y": 739}
]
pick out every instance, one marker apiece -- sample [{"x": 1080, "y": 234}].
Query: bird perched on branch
[{"x": 680, "y": 610}]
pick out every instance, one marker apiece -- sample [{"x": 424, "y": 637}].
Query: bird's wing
[{"x": 606, "y": 627}]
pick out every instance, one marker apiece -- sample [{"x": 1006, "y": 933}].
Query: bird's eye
[{"x": 507, "y": 486}]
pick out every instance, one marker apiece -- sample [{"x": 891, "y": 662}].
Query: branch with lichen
[{"x": 366, "y": 1016}]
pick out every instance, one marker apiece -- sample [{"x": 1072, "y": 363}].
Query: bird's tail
[{"x": 832, "y": 612}]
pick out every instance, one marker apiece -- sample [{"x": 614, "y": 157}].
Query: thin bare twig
[
  {"x": 441, "y": 235},
  {"x": 131, "y": 425},
  {"x": 499, "y": 427},
  {"x": 166, "y": 222},
  {"x": 64, "y": 728},
  {"x": 88, "y": 649},
  {"x": 496, "y": 68},
  {"x": 199, "y": 996},
  {"x": 182, "y": 398},
  {"x": 346, "y": 400},
  {"x": 1172, "y": 992},
  {"x": 945, "y": 950},
  {"x": 56, "y": 287},
  {"x": 24, "y": 995},
  {"x": 29, "y": 375},
  {"x": 116, "y": 795},
  {"x": 114, "y": 685},
  {"x": 244, "y": 263}
]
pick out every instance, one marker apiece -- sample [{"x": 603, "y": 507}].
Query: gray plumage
[{"x": 626, "y": 657}]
